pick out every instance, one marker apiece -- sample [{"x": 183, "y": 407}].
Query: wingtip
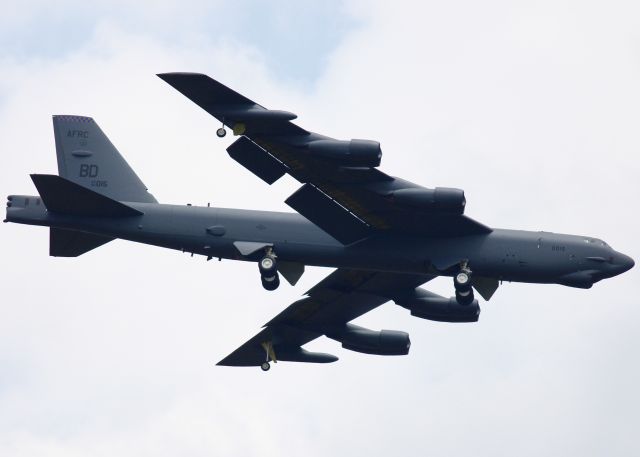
[{"x": 174, "y": 74}]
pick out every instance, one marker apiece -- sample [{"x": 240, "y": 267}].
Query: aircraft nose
[{"x": 624, "y": 263}]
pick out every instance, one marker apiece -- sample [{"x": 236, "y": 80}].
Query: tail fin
[{"x": 87, "y": 157}]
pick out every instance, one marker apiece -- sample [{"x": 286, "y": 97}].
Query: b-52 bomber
[{"x": 386, "y": 236}]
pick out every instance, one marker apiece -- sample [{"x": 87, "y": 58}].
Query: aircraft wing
[
  {"x": 327, "y": 308},
  {"x": 343, "y": 192}
]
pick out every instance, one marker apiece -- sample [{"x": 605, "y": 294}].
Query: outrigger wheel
[
  {"x": 270, "y": 354},
  {"x": 221, "y": 132}
]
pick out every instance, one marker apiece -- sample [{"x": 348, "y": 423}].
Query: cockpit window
[{"x": 595, "y": 241}]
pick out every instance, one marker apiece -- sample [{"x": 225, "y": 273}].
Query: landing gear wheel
[
  {"x": 462, "y": 280},
  {"x": 265, "y": 366},
  {"x": 267, "y": 265},
  {"x": 221, "y": 132},
  {"x": 270, "y": 282},
  {"x": 464, "y": 298}
]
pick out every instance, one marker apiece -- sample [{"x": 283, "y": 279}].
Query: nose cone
[{"x": 624, "y": 263}]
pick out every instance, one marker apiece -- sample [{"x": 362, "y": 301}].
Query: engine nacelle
[
  {"x": 352, "y": 153},
  {"x": 439, "y": 200},
  {"x": 384, "y": 342},
  {"x": 428, "y": 305}
]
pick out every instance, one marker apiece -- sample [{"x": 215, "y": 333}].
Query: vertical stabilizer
[{"x": 87, "y": 157}]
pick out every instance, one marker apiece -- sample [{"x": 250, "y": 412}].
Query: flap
[
  {"x": 256, "y": 160},
  {"x": 327, "y": 214}
]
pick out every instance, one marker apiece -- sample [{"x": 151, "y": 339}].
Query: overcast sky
[{"x": 532, "y": 107}]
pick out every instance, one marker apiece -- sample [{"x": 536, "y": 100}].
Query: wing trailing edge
[
  {"x": 328, "y": 214},
  {"x": 256, "y": 160}
]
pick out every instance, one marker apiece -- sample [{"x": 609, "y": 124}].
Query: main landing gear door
[
  {"x": 246, "y": 248},
  {"x": 486, "y": 287}
]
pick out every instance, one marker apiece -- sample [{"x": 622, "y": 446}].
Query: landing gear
[
  {"x": 464, "y": 298},
  {"x": 462, "y": 283},
  {"x": 269, "y": 270},
  {"x": 267, "y": 265},
  {"x": 271, "y": 355},
  {"x": 270, "y": 283},
  {"x": 221, "y": 132}
]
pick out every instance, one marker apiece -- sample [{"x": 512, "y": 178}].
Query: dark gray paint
[
  {"x": 386, "y": 236},
  {"x": 510, "y": 255}
]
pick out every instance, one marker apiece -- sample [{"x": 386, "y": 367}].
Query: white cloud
[{"x": 531, "y": 109}]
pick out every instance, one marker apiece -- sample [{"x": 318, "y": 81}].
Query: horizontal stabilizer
[
  {"x": 63, "y": 196},
  {"x": 327, "y": 214},
  {"x": 71, "y": 243},
  {"x": 256, "y": 160}
]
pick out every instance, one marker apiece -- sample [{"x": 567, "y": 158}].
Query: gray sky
[{"x": 532, "y": 107}]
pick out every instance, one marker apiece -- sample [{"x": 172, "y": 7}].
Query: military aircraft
[{"x": 386, "y": 236}]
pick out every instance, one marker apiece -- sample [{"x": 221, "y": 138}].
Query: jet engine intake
[
  {"x": 427, "y": 305},
  {"x": 384, "y": 342},
  {"x": 352, "y": 153},
  {"x": 439, "y": 200}
]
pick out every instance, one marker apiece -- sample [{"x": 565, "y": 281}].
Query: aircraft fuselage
[{"x": 509, "y": 255}]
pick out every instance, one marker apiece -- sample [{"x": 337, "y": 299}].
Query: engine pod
[
  {"x": 427, "y": 305},
  {"x": 439, "y": 200},
  {"x": 383, "y": 342},
  {"x": 352, "y": 153}
]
